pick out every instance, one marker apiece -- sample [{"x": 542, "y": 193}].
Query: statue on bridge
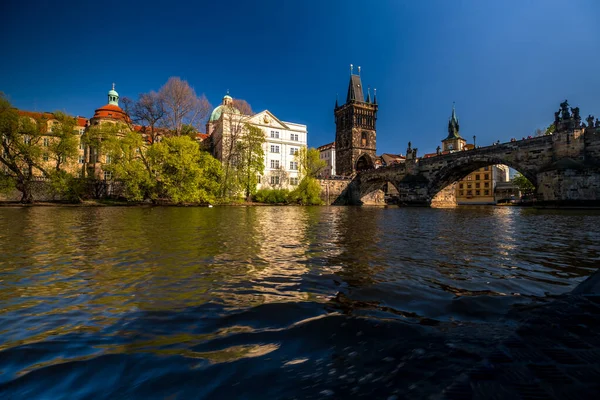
[
  {"x": 597, "y": 123},
  {"x": 590, "y": 121},
  {"x": 557, "y": 118},
  {"x": 564, "y": 108},
  {"x": 576, "y": 116}
]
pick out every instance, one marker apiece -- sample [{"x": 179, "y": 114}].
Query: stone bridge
[{"x": 564, "y": 167}]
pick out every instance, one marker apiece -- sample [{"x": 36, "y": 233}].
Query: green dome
[
  {"x": 217, "y": 112},
  {"x": 113, "y": 93}
]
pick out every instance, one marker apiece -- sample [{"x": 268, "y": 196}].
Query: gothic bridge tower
[{"x": 355, "y": 133}]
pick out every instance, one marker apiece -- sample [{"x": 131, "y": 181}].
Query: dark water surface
[{"x": 270, "y": 302}]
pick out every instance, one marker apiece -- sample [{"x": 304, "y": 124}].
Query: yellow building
[{"x": 479, "y": 186}]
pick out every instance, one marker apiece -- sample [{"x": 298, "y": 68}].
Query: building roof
[
  {"x": 111, "y": 111},
  {"x": 390, "y": 159},
  {"x": 326, "y": 146},
  {"x": 79, "y": 121},
  {"x": 355, "y": 89}
]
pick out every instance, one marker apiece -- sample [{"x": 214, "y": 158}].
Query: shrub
[{"x": 272, "y": 196}]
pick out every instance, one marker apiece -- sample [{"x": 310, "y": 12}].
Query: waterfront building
[
  {"x": 479, "y": 186},
  {"x": 355, "y": 129},
  {"x": 283, "y": 141},
  {"x": 327, "y": 154}
]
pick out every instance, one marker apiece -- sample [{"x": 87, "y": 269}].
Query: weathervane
[
  {"x": 359, "y": 70},
  {"x": 113, "y": 86},
  {"x": 351, "y": 69}
]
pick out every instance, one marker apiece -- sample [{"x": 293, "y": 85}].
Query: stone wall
[
  {"x": 332, "y": 189},
  {"x": 445, "y": 198}
]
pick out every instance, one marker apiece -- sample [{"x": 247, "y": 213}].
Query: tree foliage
[
  {"x": 524, "y": 184},
  {"x": 250, "y": 158},
  {"x": 309, "y": 162}
]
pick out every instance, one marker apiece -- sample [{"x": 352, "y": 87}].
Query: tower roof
[
  {"x": 453, "y": 126},
  {"x": 355, "y": 90}
]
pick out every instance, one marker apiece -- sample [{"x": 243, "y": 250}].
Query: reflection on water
[{"x": 152, "y": 302}]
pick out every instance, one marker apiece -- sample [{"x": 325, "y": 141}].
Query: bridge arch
[
  {"x": 461, "y": 167},
  {"x": 364, "y": 162}
]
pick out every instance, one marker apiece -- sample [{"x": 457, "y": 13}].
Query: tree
[
  {"x": 184, "y": 173},
  {"x": 524, "y": 184},
  {"x": 63, "y": 140},
  {"x": 250, "y": 158},
  {"x": 309, "y": 162},
  {"x": 310, "y": 166},
  {"x": 182, "y": 106},
  {"x": 149, "y": 112},
  {"x": 21, "y": 154},
  {"x": 235, "y": 124}
]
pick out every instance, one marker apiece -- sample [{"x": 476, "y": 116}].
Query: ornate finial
[
  {"x": 227, "y": 92},
  {"x": 359, "y": 70},
  {"x": 113, "y": 86},
  {"x": 351, "y": 69}
]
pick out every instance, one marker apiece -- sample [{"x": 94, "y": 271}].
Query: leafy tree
[
  {"x": 310, "y": 166},
  {"x": 524, "y": 184},
  {"x": 63, "y": 140},
  {"x": 309, "y": 163},
  {"x": 21, "y": 148},
  {"x": 183, "y": 172},
  {"x": 250, "y": 158}
]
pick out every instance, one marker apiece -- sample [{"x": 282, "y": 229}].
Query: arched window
[{"x": 364, "y": 139}]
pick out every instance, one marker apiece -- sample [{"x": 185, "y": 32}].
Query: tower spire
[
  {"x": 336, "y": 101},
  {"x": 375, "y": 96},
  {"x": 368, "y": 94}
]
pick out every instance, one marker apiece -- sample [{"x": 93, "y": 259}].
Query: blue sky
[{"x": 506, "y": 64}]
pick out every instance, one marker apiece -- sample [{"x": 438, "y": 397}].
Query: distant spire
[
  {"x": 375, "y": 96},
  {"x": 113, "y": 86},
  {"x": 351, "y": 69},
  {"x": 454, "y": 112},
  {"x": 369, "y": 94},
  {"x": 359, "y": 70},
  {"x": 336, "y": 100}
]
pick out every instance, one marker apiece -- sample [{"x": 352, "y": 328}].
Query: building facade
[
  {"x": 327, "y": 154},
  {"x": 479, "y": 187},
  {"x": 283, "y": 141},
  {"x": 355, "y": 130}
]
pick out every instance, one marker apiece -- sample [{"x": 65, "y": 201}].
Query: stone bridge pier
[{"x": 564, "y": 167}]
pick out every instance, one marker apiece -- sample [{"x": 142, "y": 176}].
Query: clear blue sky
[{"x": 506, "y": 64}]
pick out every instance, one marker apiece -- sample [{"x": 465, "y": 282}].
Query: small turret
[{"x": 113, "y": 96}]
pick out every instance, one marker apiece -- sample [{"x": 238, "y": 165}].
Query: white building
[
  {"x": 283, "y": 141},
  {"x": 327, "y": 154}
]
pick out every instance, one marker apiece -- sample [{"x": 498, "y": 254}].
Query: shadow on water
[{"x": 269, "y": 302}]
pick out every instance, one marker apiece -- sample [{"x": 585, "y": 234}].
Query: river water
[{"x": 270, "y": 302}]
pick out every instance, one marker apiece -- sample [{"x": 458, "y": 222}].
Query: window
[
  {"x": 81, "y": 146},
  {"x": 477, "y": 177},
  {"x": 293, "y": 165},
  {"x": 293, "y": 151},
  {"x": 469, "y": 193},
  {"x": 294, "y": 181},
  {"x": 274, "y": 180},
  {"x": 486, "y": 184},
  {"x": 274, "y": 164},
  {"x": 81, "y": 131},
  {"x": 469, "y": 178},
  {"x": 364, "y": 139},
  {"x": 275, "y": 134},
  {"x": 461, "y": 192},
  {"x": 46, "y": 142},
  {"x": 81, "y": 159},
  {"x": 294, "y": 136},
  {"x": 108, "y": 159},
  {"x": 258, "y": 178},
  {"x": 27, "y": 139},
  {"x": 46, "y": 157},
  {"x": 486, "y": 192},
  {"x": 469, "y": 186},
  {"x": 460, "y": 185},
  {"x": 274, "y": 149},
  {"x": 477, "y": 192},
  {"x": 477, "y": 185},
  {"x": 487, "y": 176},
  {"x": 107, "y": 175}
]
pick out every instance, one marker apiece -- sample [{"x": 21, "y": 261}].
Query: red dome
[{"x": 111, "y": 111}]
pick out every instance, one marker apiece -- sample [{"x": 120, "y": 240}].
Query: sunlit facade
[{"x": 479, "y": 186}]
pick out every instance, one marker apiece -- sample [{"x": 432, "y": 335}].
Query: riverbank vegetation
[{"x": 161, "y": 163}]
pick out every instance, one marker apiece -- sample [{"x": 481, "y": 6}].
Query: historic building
[
  {"x": 355, "y": 129},
  {"x": 283, "y": 141},
  {"x": 453, "y": 141},
  {"x": 327, "y": 154},
  {"x": 480, "y": 185}
]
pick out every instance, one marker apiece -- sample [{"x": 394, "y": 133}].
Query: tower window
[{"x": 364, "y": 139}]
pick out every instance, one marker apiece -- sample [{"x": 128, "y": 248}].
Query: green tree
[
  {"x": 21, "y": 139},
  {"x": 63, "y": 140},
  {"x": 524, "y": 184},
  {"x": 184, "y": 173},
  {"x": 310, "y": 165},
  {"x": 250, "y": 158}
]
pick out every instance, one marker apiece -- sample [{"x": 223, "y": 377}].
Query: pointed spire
[
  {"x": 336, "y": 101},
  {"x": 375, "y": 96},
  {"x": 113, "y": 86},
  {"x": 454, "y": 112},
  {"x": 369, "y": 94}
]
